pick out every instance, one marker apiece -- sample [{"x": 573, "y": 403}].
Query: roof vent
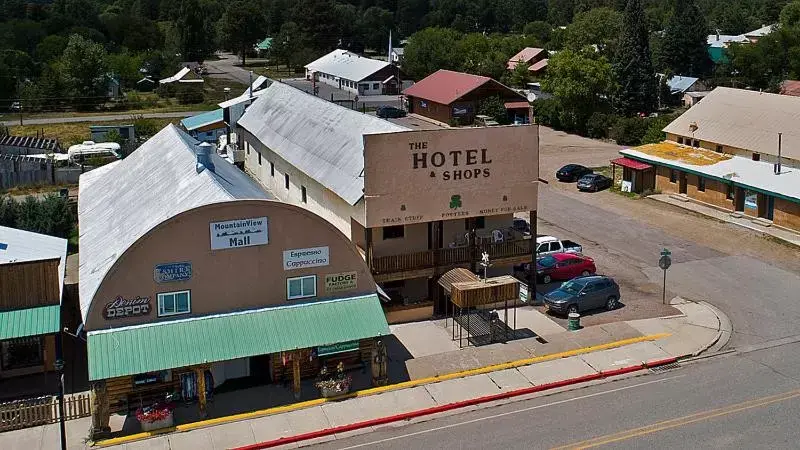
[{"x": 204, "y": 157}]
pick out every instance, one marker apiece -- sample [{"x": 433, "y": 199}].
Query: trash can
[{"x": 574, "y": 322}]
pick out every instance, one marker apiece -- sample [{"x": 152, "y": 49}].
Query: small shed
[
  {"x": 636, "y": 176},
  {"x": 99, "y": 133}
]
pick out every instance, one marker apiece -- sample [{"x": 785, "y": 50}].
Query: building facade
[
  {"x": 354, "y": 73},
  {"x": 320, "y": 156},
  {"x": 237, "y": 284}
]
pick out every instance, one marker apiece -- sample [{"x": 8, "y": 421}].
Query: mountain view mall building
[{"x": 191, "y": 275}]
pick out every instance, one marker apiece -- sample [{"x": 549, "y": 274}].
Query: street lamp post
[{"x": 59, "y": 366}]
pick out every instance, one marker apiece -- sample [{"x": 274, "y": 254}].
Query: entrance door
[
  {"x": 260, "y": 367},
  {"x": 766, "y": 206},
  {"x": 682, "y": 183}
]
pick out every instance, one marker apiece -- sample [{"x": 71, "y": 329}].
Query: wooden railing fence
[{"x": 41, "y": 411}]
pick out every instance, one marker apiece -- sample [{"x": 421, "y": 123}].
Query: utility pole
[{"x": 59, "y": 366}]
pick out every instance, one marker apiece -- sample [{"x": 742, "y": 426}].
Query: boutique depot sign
[
  {"x": 423, "y": 176},
  {"x": 302, "y": 258},
  {"x": 239, "y": 233},
  {"x": 167, "y": 273},
  {"x": 127, "y": 307}
]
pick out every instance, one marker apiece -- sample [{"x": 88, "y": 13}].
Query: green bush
[
  {"x": 144, "y": 127},
  {"x": 598, "y": 124},
  {"x": 629, "y": 130},
  {"x": 50, "y": 215},
  {"x": 547, "y": 112}
]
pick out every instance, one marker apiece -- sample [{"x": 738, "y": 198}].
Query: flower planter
[
  {"x": 157, "y": 424},
  {"x": 333, "y": 392}
]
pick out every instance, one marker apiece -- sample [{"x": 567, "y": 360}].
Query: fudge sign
[
  {"x": 451, "y": 165},
  {"x": 127, "y": 307}
]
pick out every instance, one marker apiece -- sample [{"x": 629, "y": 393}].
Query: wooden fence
[{"x": 41, "y": 411}]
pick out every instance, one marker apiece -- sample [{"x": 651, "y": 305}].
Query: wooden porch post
[
  {"x": 296, "y": 375},
  {"x": 200, "y": 373},
  {"x": 100, "y": 411}
]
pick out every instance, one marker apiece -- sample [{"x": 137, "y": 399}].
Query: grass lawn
[
  {"x": 278, "y": 73},
  {"x": 76, "y": 132}
]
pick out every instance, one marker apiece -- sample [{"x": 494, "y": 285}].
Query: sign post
[{"x": 664, "y": 262}]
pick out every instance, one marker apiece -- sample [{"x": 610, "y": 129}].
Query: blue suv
[{"x": 583, "y": 294}]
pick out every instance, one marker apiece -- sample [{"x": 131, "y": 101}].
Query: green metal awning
[
  {"x": 180, "y": 343},
  {"x": 30, "y": 322}
]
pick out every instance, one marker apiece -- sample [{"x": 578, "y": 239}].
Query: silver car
[{"x": 583, "y": 294}]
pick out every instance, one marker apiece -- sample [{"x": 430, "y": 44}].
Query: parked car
[
  {"x": 15, "y": 106},
  {"x": 485, "y": 121},
  {"x": 594, "y": 182},
  {"x": 564, "y": 266},
  {"x": 583, "y": 294},
  {"x": 547, "y": 245},
  {"x": 522, "y": 226},
  {"x": 572, "y": 172},
  {"x": 389, "y": 112}
]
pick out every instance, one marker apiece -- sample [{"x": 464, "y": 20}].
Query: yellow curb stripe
[{"x": 378, "y": 390}]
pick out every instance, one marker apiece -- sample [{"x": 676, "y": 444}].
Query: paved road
[
  {"x": 227, "y": 67},
  {"x": 103, "y": 118},
  {"x": 748, "y": 400}
]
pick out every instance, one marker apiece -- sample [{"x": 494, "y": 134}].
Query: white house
[{"x": 354, "y": 73}]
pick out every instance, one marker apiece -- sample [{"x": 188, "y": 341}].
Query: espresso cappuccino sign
[
  {"x": 423, "y": 176},
  {"x": 338, "y": 282},
  {"x": 127, "y": 307}
]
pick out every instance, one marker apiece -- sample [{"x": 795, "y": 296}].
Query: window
[
  {"x": 21, "y": 353},
  {"x": 719, "y": 149},
  {"x": 395, "y": 232},
  {"x": 247, "y": 147},
  {"x": 376, "y": 86},
  {"x": 303, "y": 194},
  {"x": 730, "y": 192},
  {"x": 695, "y": 143},
  {"x": 172, "y": 303},
  {"x": 286, "y": 180},
  {"x": 680, "y": 139},
  {"x": 756, "y": 157},
  {"x": 673, "y": 176},
  {"x": 259, "y": 158},
  {"x": 272, "y": 169},
  {"x": 480, "y": 223},
  {"x": 301, "y": 287},
  {"x": 701, "y": 184}
]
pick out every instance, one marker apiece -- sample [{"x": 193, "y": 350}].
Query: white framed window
[
  {"x": 301, "y": 287},
  {"x": 173, "y": 303}
]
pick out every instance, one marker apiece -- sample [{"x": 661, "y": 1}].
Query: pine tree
[
  {"x": 633, "y": 66},
  {"x": 684, "y": 49}
]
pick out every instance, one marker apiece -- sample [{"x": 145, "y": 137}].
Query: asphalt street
[{"x": 741, "y": 400}]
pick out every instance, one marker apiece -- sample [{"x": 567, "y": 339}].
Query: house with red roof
[
  {"x": 449, "y": 96},
  {"x": 535, "y": 58}
]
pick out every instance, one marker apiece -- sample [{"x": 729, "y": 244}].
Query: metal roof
[
  {"x": 722, "y": 40},
  {"x": 30, "y": 322},
  {"x": 346, "y": 65},
  {"x": 119, "y": 202},
  {"x": 21, "y": 246},
  {"x": 321, "y": 139},
  {"x": 748, "y": 120},
  {"x": 756, "y": 175},
  {"x": 446, "y": 86},
  {"x": 791, "y": 87},
  {"x": 180, "y": 74},
  {"x": 680, "y": 84},
  {"x": 525, "y": 55},
  {"x": 202, "y": 119},
  {"x": 539, "y": 65},
  {"x": 763, "y": 31},
  {"x": 258, "y": 85},
  {"x": 265, "y": 44},
  {"x": 631, "y": 163},
  {"x": 132, "y": 350},
  {"x": 29, "y": 142}
]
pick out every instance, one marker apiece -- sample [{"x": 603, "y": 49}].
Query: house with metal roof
[
  {"x": 738, "y": 150},
  {"x": 193, "y": 275},
  {"x": 448, "y": 96},
  {"x": 32, "y": 270},
  {"x": 28, "y": 145},
  {"x": 399, "y": 194},
  {"x": 206, "y": 127},
  {"x": 355, "y": 73},
  {"x": 535, "y": 58},
  {"x": 679, "y": 84}
]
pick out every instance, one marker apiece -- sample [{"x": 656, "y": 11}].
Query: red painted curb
[{"x": 452, "y": 406}]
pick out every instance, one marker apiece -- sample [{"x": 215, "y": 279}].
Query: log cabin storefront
[{"x": 190, "y": 276}]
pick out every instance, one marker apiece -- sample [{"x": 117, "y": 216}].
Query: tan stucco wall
[
  {"x": 231, "y": 279},
  {"x": 715, "y": 193},
  {"x": 415, "y": 239},
  {"x": 786, "y": 214},
  {"x": 662, "y": 181}
]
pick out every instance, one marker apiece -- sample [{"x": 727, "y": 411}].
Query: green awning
[
  {"x": 180, "y": 343},
  {"x": 30, "y": 322}
]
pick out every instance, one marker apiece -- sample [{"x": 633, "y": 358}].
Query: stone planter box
[{"x": 163, "y": 423}]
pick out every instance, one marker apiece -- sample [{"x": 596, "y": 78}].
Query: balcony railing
[{"x": 445, "y": 257}]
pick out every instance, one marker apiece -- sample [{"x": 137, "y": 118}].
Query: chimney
[{"x": 204, "y": 157}]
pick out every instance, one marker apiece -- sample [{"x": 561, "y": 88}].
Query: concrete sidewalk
[
  {"x": 742, "y": 221},
  {"x": 698, "y": 328}
]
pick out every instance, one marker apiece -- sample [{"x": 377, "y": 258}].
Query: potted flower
[
  {"x": 156, "y": 416},
  {"x": 338, "y": 384}
]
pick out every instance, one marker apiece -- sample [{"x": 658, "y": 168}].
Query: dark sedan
[
  {"x": 389, "y": 112},
  {"x": 572, "y": 172},
  {"x": 583, "y": 294},
  {"x": 594, "y": 182}
]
